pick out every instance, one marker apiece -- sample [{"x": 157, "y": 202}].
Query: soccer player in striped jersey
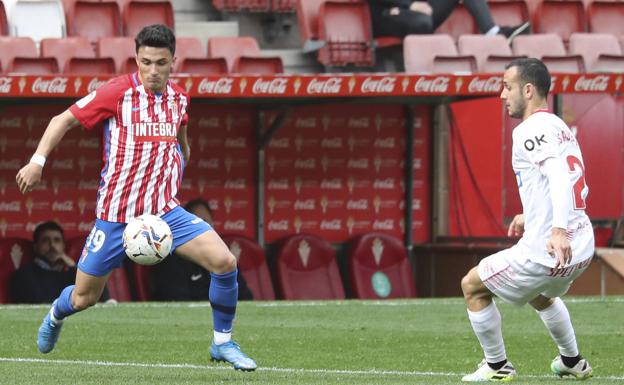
[
  {"x": 557, "y": 241},
  {"x": 145, "y": 133}
]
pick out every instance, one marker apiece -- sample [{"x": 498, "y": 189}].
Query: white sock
[
  {"x": 493, "y": 31},
  {"x": 487, "y": 326},
  {"x": 53, "y": 318},
  {"x": 557, "y": 320},
  {"x": 221, "y": 338}
]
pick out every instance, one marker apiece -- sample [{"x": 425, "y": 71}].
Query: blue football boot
[
  {"x": 231, "y": 352},
  {"x": 48, "y": 334}
]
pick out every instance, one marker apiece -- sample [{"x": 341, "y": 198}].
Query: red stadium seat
[
  {"x": 538, "y": 45},
  {"x": 491, "y": 52},
  {"x": 14, "y": 252},
  {"x": 66, "y": 48},
  {"x": 204, "y": 66},
  {"x": 119, "y": 48},
  {"x": 420, "y": 52},
  {"x": 11, "y": 47},
  {"x": 562, "y": 17},
  {"x": 4, "y": 24},
  {"x": 138, "y": 14},
  {"x": 601, "y": 52},
  {"x": 509, "y": 12},
  {"x": 188, "y": 47},
  {"x": 258, "y": 65},
  {"x": 34, "y": 66},
  {"x": 308, "y": 18},
  {"x": 252, "y": 263},
  {"x": 242, "y": 5},
  {"x": 284, "y": 5},
  {"x": 460, "y": 22},
  {"x": 346, "y": 30},
  {"x": 118, "y": 286},
  {"x": 606, "y": 17},
  {"x": 572, "y": 64},
  {"x": 129, "y": 66},
  {"x": 307, "y": 269},
  {"x": 90, "y": 66},
  {"x": 602, "y": 236},
  {"x": 94, "y": 20},
  {"x": 231, "y": 48},
  {"x": 379, "y": 268}
]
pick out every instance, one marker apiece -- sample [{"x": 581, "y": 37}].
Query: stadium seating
[
  {"x": 231, "y": 48},
  {"x": 307, "y": 269},
  {"x": 379, "y": 267},
  {"x": 258, "y": 65},
  {"x": 253, "y": 266},
  {"x": 549, "y": 48},
  {"x": 94, "y": 20},
  {"x": 129, "y": 66},
  {"x": 603, "y": 236},
  {"x": 242, "y": 5},
  {"x": 14, "y": 252},
  {"x": 33, "y": 66},
  {"x": 562, "y": 17},
  {"x": 188, "y": 47},
  {"x": 460, "y": 22},
  {"x": 606, "y": 17},
  {"x": 204, "y": 66},
  {"x": 307, "y": 15},
  {"x": 491, "y": 52},
  {"x": 90, "y": 66},
  {"x": 4, "y": 23},
  {"x": 37, "y": 19},
  {"x": 600, "y": 52},
  {"x": 284, "y": 5},
  {"x": 509, "y": 12},
  {"x": 138, "y": 14},
  {"x": 64, "y": 49},
  {"x": 420, "y": 52},
  {"x": 119, "y": 48},
  {"x": 345, "y": 27},
  {"x": 11, "y": 47}
]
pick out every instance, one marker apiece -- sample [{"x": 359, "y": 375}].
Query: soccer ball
[{"x": 147, "y": 239}]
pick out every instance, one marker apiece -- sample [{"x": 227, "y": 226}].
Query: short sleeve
[
  {"x": 100, "y": 104},
  {"x": 539, "y": 143}
]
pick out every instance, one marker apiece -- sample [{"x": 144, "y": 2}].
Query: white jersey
[{"x": 541, "y": 136}]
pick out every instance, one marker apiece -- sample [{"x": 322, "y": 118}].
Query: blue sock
[
  {"x": 63, "y": 307},
  {"x": 223, "y": 297}
]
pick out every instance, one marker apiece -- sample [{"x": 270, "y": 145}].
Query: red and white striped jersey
[{"x": 143, "y": 162}]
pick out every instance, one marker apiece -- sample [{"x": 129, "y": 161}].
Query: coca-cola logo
[
  {"x": 360, "y": 204},
  {"x": 279, "y": 143},
  {"x": 359, "y": 122},
  {"x": 235, "y": 184},
  {"x": 220, "y": 86},
  {"x": 212, "y": 122},
  {"x": 358, "y": 163},
  {"x": 307, "y": 204},
  {"x": 274, "y": 86},
  {"x": 5, "y": 85},
  {"x": 387, "y": 224},
  {"x": 238, "y": 225},
  {"x": 326, "y": 86},
  {"x": 88, "y": 184},
  {"x": 334, "y": 224},
  {"x": 331, "y": 184},
  {"x": 331, "y": 143},
  {"x": 15, "y": 122},
  {"x": 211, "y": 163},
  {"x": 309, "y": 122},
  {"x": 93, "y": 143},
  {"x": 85, "y": 226},
  {"x": 438, "y": 84},
  {"x": 55, "y": 85},
  {"x": 598, "y": 83},
  {"x": 65, "y": 164},
  {"x": 306, "y": 164},
  {"x": 278, "y": 184},
  {"x": 12, "y": 164},
  {"x": 94, "y": 84},
  {"x": 383, "y": 85},
  {"x": 14, "y": 206},
  {"x": 384, "y": 143},
  {"x": 491, "y": 84},
  {"x": 239, "y": 142},
  {"x": 63, "y": 206},
  {"x": 278, "y": 225}
]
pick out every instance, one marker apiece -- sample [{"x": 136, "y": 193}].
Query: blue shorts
[{"x": 104, "y": 250}]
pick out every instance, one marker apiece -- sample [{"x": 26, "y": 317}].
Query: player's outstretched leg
[
  {"x": 581, "y": 371},
  {"x": 52, "y": 323},
  {"x": 223, "y": 300},
  {"x": 485, "y": 373}
]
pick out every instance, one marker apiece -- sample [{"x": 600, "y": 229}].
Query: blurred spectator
[
  {"x": 176, "y": 279},
  {"x": 50, "y": 271},
  {"x": 406, "y": 17}
]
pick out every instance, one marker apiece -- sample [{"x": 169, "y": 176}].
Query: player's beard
[{"x": 517, "y": 111}]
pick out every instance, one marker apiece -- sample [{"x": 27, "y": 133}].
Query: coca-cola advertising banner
[{"x": 306, "y": 86}]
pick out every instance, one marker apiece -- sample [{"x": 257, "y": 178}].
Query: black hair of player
[
  {"x": 156, "y": 35},
  {"x": 534, "y": 71}
]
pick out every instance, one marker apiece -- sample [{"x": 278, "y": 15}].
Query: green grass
[{"x": 346, "y": 342}]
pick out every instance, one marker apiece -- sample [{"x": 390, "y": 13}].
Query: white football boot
[
  {"x": 485, "y": 373},
  {"x": 580, "y": 371}
]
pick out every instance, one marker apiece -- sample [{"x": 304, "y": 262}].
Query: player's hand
[
  {"x": 28, "y": 177},
  {"x": 516, "y": 228},
  {"x": 559, "y": 247},
  {"x": 422, "y": 7}
]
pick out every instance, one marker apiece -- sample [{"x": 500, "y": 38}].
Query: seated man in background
[
  {"x": 407, "y": 17},
  {"x": 177, "y": 279},
  {"x": 50, "y": 271}
]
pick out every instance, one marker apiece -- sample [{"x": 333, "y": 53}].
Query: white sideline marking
[{"x": 373, "y": 372}]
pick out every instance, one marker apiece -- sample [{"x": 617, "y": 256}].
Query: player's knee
[
  {"x": 466, "y": 285},
  {"x": 83, "y": 301},
  {"x": 223, "y": 263}
]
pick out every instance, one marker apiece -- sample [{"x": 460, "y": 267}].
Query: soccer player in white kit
[{"x": 557, "y": 241}]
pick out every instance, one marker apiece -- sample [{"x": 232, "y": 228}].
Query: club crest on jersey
[{"x": 154, "y": 132}]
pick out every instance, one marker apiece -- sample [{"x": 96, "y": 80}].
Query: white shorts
[{"x": 511, "y": 276}]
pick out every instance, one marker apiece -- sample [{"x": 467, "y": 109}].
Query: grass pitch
[{"x": 346, "y": 342}]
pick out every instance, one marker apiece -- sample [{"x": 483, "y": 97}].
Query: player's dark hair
[
  {"x": 156, "y": 35},
  {"x": 190, "y": 205},
  {"x": 45, "y": 226},
  {"x": 532, "y": 70}
]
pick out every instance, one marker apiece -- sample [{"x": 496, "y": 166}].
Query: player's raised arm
[{"x": 30, "y": 174}]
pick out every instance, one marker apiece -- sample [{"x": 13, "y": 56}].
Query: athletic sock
[
  {"x": 487, "y": 327},
  {"x": 570, "y": 362},
  {"x": 497, "y": 365},
  {"x": 557, "y": 320},
  {"x": 493, "y": 31},
  {"x": 223, "y": 298},
  {"x": 63, "y": 307}
]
